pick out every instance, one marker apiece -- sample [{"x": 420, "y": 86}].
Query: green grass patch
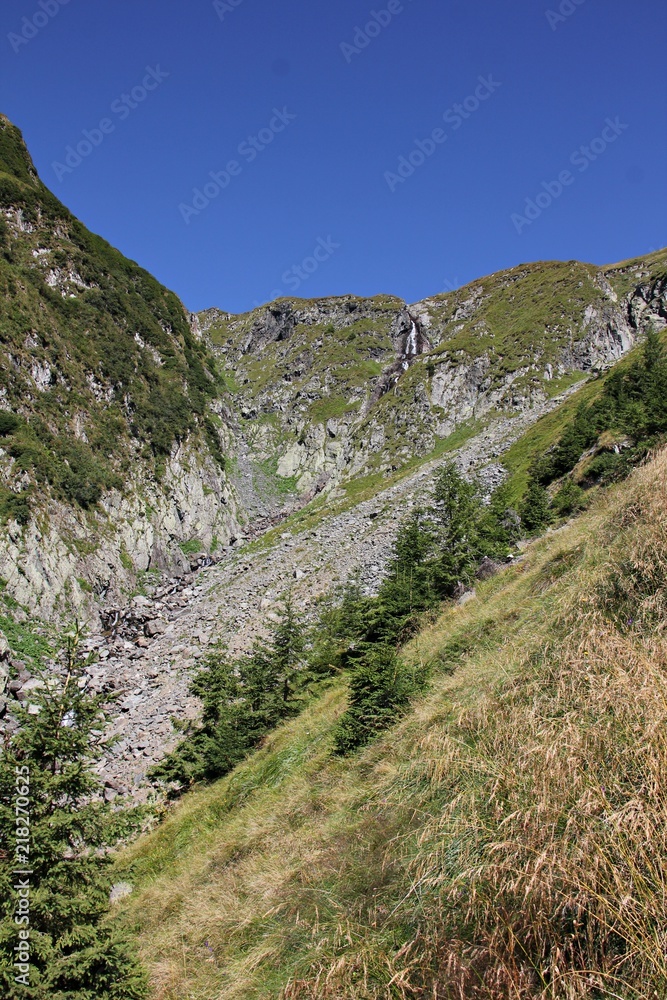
[
  {"x": 299, "y": 864},
  {"x": 192, "y": 547},
  {"x": 126, "y": 559},
  {"x": 329, "y": 408},
  {"x": 556, "y": 386},
  {"x": 273, "y": 484},
  {"x": 28, "y": 640}
]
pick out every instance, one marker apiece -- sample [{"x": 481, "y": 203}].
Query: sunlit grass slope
[{"x": 506, "y": 840}]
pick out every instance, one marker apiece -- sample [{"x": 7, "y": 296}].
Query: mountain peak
[{"x": 14, "y": 156}]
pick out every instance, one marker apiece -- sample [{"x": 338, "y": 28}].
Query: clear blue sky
[{"x": 554, "y": 83}]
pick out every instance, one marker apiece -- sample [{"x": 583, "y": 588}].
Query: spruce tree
[
  {"x": 242, "y": 700},
  {"x": 380, "y": 690},
  {"x": 355, "y": 610},
  {"x": 457, "y": 511},
  {"x": 222, "y": 739},
  {"x": 327, "y": 638},
  {"x": 535, "y": 509},
  {"x": 655, "y": 383},
  {"x": 499, "y": 524},
  {"x": 287, "y": 647},
  {"x": 408, "y": 589},
  {"x": 56, "y": 830},
  {"x": 569, "y": 500}
]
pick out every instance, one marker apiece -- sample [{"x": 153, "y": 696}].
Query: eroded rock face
[
  {"x": 146, "y": 650},
  {"x": 277, "y": 321},
  {"x": 67, "y": 560},
  {"x": 148, "y": 647}
]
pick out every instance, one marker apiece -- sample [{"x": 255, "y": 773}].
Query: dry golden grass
[{"x": 506, "y": 840}]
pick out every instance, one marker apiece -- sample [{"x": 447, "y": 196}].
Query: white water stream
[{"x": 411, "y": 346}]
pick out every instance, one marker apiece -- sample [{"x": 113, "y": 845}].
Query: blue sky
[{"x": 331, "y": 113}]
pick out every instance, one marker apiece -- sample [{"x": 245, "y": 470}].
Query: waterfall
[
  {"x": 392, "y": 375},
  {"x": 411, "y": 346}
]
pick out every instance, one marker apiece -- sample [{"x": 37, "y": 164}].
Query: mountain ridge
[{"x": 172, "y": 477}]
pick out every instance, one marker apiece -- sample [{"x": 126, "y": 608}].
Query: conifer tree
[
  {"x": 355, "y": 609},
  {"x": 342, "y": 621},
  {"x": 380, "y": 690},
  {"x": 500, "y": 524},
  {"x": 287, "y": 647},
  {"x": 569, "y": 499},
  {"x": 457, "y": 510},
  {"x": 54, "y": 826},
  {"x": 407, "y": 590},
  {"x": 242, "y": 700},
  {"x": 535, "y": 509},
  {"x": 633, "y": 402},
  {"x": 655, "y": 383},
  {"x": 218, "y": 740}
]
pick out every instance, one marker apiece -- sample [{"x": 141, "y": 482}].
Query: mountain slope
[
  {"x": 149, "y": 649},
  {"x": 109, "y": 393},
  {"x": 99, "y": 350},
  {"x": 333, "y": 388},
  {"x": 505, "y": 839}
]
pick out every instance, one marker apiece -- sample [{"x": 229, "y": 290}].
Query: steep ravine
[
  {"x": 134, "y": 435},
  {"x": 154, "y": 652}
]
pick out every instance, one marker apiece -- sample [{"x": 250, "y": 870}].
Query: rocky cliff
[{"x": 331, "y": 389}]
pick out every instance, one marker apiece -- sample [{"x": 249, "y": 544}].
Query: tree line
[{"x": 613, "y": 433}]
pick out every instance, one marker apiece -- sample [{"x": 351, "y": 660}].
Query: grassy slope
[
  {"x": 546, "y": 431},
  {"x": 626, "y": 274},
  {"x": 530, "y": 311},
  {"x": 120, "y": 367},
  {"x": 514, "y": 821},
  {"x": 518, "y": 459}
]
